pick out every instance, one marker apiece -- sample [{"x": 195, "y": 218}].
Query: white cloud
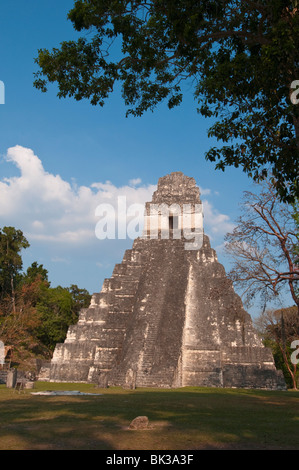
[
  {"x": 215, "y": 223},
  {"x": 50, "y": 210},
  {"x": 204, "y": 191},
  {"x": 38, "y": 225},
  {"x": 135, "y": 182}
]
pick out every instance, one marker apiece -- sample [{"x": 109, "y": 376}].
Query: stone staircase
[
  {"x": 93, "y": 344},
  {"x": 157, "y": 320},
  {"x": 166, "y": 315}
]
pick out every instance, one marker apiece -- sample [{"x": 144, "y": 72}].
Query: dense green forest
[{"x": 33, "y": 315}]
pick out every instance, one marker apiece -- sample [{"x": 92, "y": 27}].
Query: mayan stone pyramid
[{"x": 168, "y": 316}]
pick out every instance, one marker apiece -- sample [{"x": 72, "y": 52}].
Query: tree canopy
[
  {"x": 12, "y": 242},
  {"x": 241, "y": 57},
  {"x": 33, "y": 315}
]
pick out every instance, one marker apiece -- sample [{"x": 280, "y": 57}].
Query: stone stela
[{"x": 167, "y": 317}]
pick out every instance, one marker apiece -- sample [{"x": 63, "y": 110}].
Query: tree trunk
[
  {"x": 291, "y": 372},
  {"x": 13, "y": 298}
]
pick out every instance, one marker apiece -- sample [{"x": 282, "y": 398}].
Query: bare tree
[{"x": 263, "y": 247}]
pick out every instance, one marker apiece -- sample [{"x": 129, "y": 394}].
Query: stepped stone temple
[{"x": 168, "y": 316}]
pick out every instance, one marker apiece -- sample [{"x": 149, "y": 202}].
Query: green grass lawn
[{"x": 181, "y": 419}]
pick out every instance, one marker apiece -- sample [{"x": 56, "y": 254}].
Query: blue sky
[{"x": 64, "y": 152}]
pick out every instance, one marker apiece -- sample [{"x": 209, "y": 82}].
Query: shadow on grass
[{"x": 180, "y": 419}]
